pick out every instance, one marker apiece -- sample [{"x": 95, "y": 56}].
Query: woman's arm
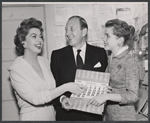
[
  {"x": 99, "y": 100},
  {"x": 132, "y": 82},
  {"x": 71, "y": 87},
  {"x": 28, "y": 92},
  {"x": 132, "y": 87}
]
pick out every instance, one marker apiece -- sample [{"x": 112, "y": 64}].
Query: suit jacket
[
  {"x": 63, "y": 67},
  {"x": 31, "y": 91}
]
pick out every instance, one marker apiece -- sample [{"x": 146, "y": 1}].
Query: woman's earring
[{"x": 24, "y": 45}]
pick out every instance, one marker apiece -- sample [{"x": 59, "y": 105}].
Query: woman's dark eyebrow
[{"x": 33, "y": 34}]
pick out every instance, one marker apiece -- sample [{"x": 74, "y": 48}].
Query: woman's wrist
[
  {"x": 113, "y": 97},
  {"x": 65, "y": 87},
  {"x": 107, "y": 96}
]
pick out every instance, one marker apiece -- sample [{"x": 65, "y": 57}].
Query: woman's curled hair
[
  {"x": 121, "y": 29},
  {"x": 22, "y": 32}
]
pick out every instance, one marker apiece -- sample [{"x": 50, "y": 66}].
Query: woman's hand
[
  {"x": 75, "y": 88},
  {"x": 98, "y": 100}
]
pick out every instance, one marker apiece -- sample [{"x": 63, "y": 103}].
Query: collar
[
  {"x": 123, "y": 51},
  {"x": 83, "y": 48}
]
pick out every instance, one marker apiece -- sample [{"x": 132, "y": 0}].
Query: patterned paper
[{"x": 96, "y": 83}]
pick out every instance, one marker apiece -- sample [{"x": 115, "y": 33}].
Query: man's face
[{"x": 74, "y": 34}]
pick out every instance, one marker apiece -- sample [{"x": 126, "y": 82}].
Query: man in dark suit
[{"x": 77, "y": 55}]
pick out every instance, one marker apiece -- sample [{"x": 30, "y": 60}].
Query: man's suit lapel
[{"x": 88, "y": 58}]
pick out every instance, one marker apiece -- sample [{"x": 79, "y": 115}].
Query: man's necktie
[{"x": 79, "y": 60}]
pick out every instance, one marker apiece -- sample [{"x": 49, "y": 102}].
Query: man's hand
[
  {"x": 109, "y": 89},
  {"x": 66, "y": 103}
]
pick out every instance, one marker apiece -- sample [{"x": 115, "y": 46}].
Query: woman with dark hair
[
  {"x": 124, "y": 78},
  {"x": 31, "y": 77}
]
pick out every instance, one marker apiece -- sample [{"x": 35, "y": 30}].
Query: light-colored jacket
[{"x": 30, "y": 90}]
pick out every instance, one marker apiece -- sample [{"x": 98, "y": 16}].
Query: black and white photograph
[{"x": 74, "y": 61}]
